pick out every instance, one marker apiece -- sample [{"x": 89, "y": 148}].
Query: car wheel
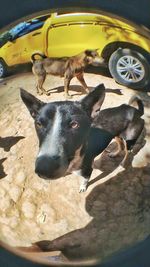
[
  {"x": 3, "y": 68},
  {"x": 130, "y": 68}
]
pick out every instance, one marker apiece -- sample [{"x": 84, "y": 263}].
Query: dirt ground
[{"x": 114, "y": 211}]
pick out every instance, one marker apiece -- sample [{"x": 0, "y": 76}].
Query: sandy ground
[{"x": 32, "y": 209}]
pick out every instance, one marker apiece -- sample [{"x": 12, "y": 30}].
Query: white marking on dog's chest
[{"x": 50, "y": 145}]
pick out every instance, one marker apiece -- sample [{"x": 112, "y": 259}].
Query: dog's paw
[
  {"x": 82, "y": 188},
  {"x": 113, "y": 154},
  {"x": 67, "y": 96},
  {"x": 87, "y": 90},
  {"x": 107, "y": 150},
  {"x": 40, "y": 93},
  {"x": 48, "y": 93}
]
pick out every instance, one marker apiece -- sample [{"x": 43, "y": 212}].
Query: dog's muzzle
[
  {"x": 49, "y": 167},
  {"x": 98, "y": 61}
]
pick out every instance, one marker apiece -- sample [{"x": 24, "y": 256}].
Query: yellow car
[{"x": 124, "y": 46}]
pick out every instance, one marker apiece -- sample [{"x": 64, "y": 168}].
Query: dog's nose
[{"x": 46, "y": 166}]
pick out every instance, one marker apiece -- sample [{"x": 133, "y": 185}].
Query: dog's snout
[
  {"x": 98, "y": 61},
  {"x": 46, "y": 166}
]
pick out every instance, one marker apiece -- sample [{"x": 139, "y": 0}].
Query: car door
[
  {"x": 31, "y": 39},
  {"x": 11, "y": 53},
  {"x": 20, "y": 49},
  {"x": 24, "y": 42},
  {"x": 71, "y": 34},
  {"x": 30, "y": 43}
]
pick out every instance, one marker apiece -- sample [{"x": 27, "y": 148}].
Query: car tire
[
  {"x": 130, "y": 68},
  {"x": 3, "y": 68}
]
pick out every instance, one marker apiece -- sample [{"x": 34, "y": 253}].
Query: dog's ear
[
  {"x": 94, "y": 100},
  {"x": 92, "y": 53},
  {"x": 88, "y": 52},
  {"x": 32, "y": 103}
]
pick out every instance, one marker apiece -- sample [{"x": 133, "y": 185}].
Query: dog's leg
[
  {"x": 126, "y": 152},
  {"x": 85, "y": 172},
  {"x": 67, "y": 80},
  {"x": 84, "y": 184},
  {"x": 82, "y": 81},
  {"x": 84, "y": 181},
  {"x": 119, "y": 142},
  {"x": 40, "y": 81}
]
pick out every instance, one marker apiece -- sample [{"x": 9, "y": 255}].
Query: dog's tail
[
  {"x": 136, "y": 99},
  {"x": 37, "y": 54}
]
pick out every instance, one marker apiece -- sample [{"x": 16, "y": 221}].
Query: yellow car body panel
[
  {"x": 20, "y": 50},
  {"x": 69, "y": 34}
]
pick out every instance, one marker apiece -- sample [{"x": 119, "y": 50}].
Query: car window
[
  {"x": 22, "y": 28},
  {"x": 30, "y": 27},
  {"x": 27, "y": 27}
]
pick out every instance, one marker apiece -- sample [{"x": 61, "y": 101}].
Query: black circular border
[{"x": 137, "y": 11}]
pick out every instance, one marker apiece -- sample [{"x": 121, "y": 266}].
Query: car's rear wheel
[
  {"x": 3, "y": 68},
  {"x": 130, "y": 68}
]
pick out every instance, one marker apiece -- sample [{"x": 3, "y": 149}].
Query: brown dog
[{"x": 67, "y": 67}]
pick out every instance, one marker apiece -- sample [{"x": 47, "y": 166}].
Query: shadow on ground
[
  {"x": 120, "y": 209},
  {"x": 7, "y": 142},
  {"x": 2, "y": 172},
  {"x": 79, "y": 90}
]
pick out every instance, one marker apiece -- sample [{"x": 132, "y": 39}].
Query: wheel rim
[
  {"x": 1, "y": 70},
  {"x": 130, "y": 69}
]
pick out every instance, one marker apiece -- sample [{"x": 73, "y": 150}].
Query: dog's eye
[
  {"x": 39, "y": 124},
  {"x": 74, "y": 125}
]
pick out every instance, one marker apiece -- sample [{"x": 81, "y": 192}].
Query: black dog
[
  {"x": 72, "y": 134},
  {"x": 124, "y": 123}
]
